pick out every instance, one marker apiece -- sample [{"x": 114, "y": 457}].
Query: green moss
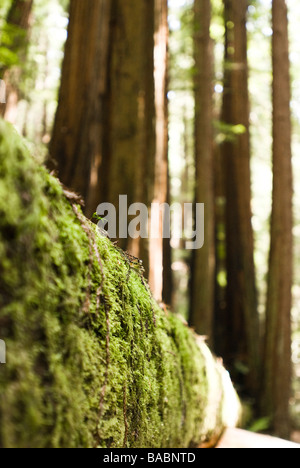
[{"x": 91, "y": 358}]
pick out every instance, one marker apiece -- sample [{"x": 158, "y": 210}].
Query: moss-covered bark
[{"x": 91, "y": 359}]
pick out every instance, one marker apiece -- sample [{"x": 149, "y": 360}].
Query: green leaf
[
  {"x": 260, "y": 425},
  {"x": 7, "y": 57}
]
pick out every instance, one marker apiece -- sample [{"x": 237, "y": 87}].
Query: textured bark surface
[
  {"x": 203, "y": 264},
  {"x": 78, "y": 129},
  {"x": 91, "y": 358},
  {"x": 277, "y": 390},
  {"x": 19, "y": 17},
  {"x": 130, "y": 107},
  {"x": 242, "y": 316},
  {"x": 105, "y": 123}
]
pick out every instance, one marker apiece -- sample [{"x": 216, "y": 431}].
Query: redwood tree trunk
[
  {"x": 277, "y": 369},
  {"x": 241, "y": 317},
  {"x": 129, "y": 139},
  {"x": 78, "y": 128},
  {"x": 103, "y": 136},
  {"x": 203, "y": 264}
]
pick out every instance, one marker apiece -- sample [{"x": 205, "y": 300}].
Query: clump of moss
[{"x": 92, "y": 361}]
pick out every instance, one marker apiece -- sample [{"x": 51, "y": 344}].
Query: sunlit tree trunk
[
  {"x": 144, "y": 167},
  {"x": 161, "y": 155},
  {"x": 241, "y": 316},
  {"x": 277, "y": 360},
  {"x": 168, "y": 285},
  {"x": 18, "y": 16},
  {"x": 203, "y": 263}
]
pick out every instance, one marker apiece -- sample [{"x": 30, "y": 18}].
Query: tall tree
[
  {"x": 103, "y": 137},
  {"x": 203, "y": 264},
  {"x": 277, "y": 367},
  {"x": 159, "y": 249},
  {"x": 110, "y": 135},
  {"x": 241, "y": 317},
  {"x": 78, "y": 128},
  {"x": 17, "y": 25}
]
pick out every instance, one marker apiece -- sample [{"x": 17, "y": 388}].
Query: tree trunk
[
  {"x": 203, "y": 264},
  {"x": 103, "y": 136},
  {"x": 129, "y": 148},
  {"x": 78, "y": 128},
  {"x": 18, "y": 16},
  {"x": 242, "y": 316},
  {"x": 161, "y": 186},
  {"x": 167, "y": 292},
  {"x": 277, "y": 370},
  {"x": 92, "y": 361}
]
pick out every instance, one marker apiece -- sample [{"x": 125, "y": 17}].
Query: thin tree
[
  {"x": 160, "y": 250},
  {"x": 203, "y": 263},
  {"x": 277, "y": 360},
  {"x": 241, "y": 316}
]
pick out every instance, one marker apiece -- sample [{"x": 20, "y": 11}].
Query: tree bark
[
  {"x": 168, "y": 284},
  {"x": 203, "y": 263},
  {"x": 161, "y": 186},
  {"x": 104, "y": 135},
  {"x": 78, "y": 128},
  {"x": 241, "y": 316},
  {"x": 277, "y": 369},
  {"x": 129, "y": 148}
]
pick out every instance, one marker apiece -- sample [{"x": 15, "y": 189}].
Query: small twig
[
  {"x": 125, "y": 416},
  {"x": 153, "y": 314},
  {"x": 103, "y": 391},
  {"x": 170, "y": 352},
  {"x": 141, "y": 318},
  {"x": 73, "y": 197}
]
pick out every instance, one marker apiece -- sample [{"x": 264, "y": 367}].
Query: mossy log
[{"x": 92, "y": 360}]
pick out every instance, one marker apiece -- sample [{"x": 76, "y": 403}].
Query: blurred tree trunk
[
  {"x": 103, "y": 138},
  {"x": 78, "y": 128},
  {"x": 220, "y": 322},
  {"x": 19, "y": 17},
  {"x": 167, "y": 293},
  {"x": 129, "y": 140},
  {"x": 159, "y": 250},
  {"x": 241, "y": 317},
  {"x": 203, "y": 263},
  {"x": 277, "y": 369}
]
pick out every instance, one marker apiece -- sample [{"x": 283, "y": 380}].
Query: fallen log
[{"x": 92, "y": 360}]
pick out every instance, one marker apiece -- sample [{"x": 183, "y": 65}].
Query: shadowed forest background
[{"x": 182, "y": 101}]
